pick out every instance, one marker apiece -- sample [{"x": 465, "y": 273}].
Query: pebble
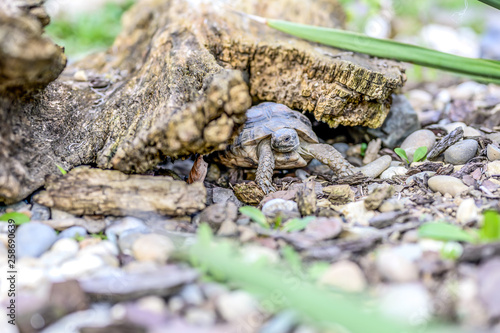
[
  {"x": 287, "y": 208},
  {"x": 493, "y": 168},
  {"x": 376, "y": 167},
  {"x": 223, "y": 195},
  {"x": 471, "y": 131},
  {"x": 33, "y": 239},
  {"x": 57, "y": 214},
  {"x": 391, "y": 205},
  {"x": 341, "y": 147},
  {"x": 39, "y": 213},
  {"x": 393, "y": 171},
  {"x": 345, "y": 275},
  {"x": 192, "y": 295},
  {"x": 493, "y": 152},
  {"x": 255, "y": 253},
  {"x": 323, "y": 228},
  {"x": 62, "y": 250},
  {"x": 395, "y": 267},
  {"x": 127, "y": 239},
  {"x": 461, "y": 152},
  {"x": 236, "y": 305},
  {"x": 447, "y": 184},
  {"x": 416, "y": 140},
  {"x": 81, "y": 266},
  {"x": 152, "y": 247},
  {"x": 124, "y": 224},
  {"x": 420, "y": 99},
  {"x": 468, "y": 90},
  {"x": 495, "y": 137},
  {"x": 284, "y": 321},
  {"x": 408, "y": 302},
  {"x": 420, "y": 175},
  {"x": 200, "y": 317},
  {"x": 467, "y": 211},
  {"x": 356, "y": 212},
  {"x": 103, "y": 248},
  {"x": 72, "y": 232}
]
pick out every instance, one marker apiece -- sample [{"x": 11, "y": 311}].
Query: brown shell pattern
[{"x": 268, "y": 117}]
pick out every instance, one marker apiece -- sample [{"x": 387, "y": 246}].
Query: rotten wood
[
  {"x": 87, "y": 191},
  {"x": 178, "y": 81}
]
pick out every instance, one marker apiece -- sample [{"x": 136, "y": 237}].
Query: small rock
[
  {"x": 420, "y": 138},
  {"x": 393, "y": 171},
  {"x": 471, "y": 131},
  {"x": 124, "y": 224},
  {"x": 495, "y": 137},
  {"x": 384, "y": 219},
  {"x": 255, "y": 253},
  {"x": 215, "y": 215},
  {"x": 493, "y": 152},
  {"x": 200, "y": 317},
  {"x": 420, "y": 99},
  {"x": 379, "y": 194},
  {"x": 408, "y": 302},
  {"x": 153, "y": 247},
  {"x": 80, "y": 76},
  {"x": 72, "y": 232},
  {"x": 103, "y": 248},
  {"x": 452, "y": 126},
  {"x": 66, "y": 245},
  {"x": 376, "y": 167},
  {"x": 339, "y": 194},
  {"x": 128, "y": 238},
  {"x": 447, "y": 184},
  {"x": 345, "y": 275},
  {"x": 390, "y": 205},
  {"x": 324, "y": 228},
  {"x": 356, "y": 212},
  {"x": 236, "y": 305},
  {"x": 341, "y": 147},
  {"x": 493, "y": 168},
  {"x": 192, "y": 295},
  {"x": 461, "y": 152},
  {"x": 33, "y": 239},
  {"x": 488, "y": 281},
  {"x": 400, "y": 122},
  {"x": 467, "y": 211},
  {"x": 39, "y": 213},
  {"x": 420, "y": 176},
  {"x": 284, "y": 321},
  {"x": 81, "y": 266},
  {"x": 395, "y": 267},
  {"x": 286, "y": 208},
  {"x": 223, "y": 195},
  {"x": 467, "y": 90},
  {"x": 306, "y": 199},
  {"x": 60, "y": 215},
  {"x": 228, "y": 228}
]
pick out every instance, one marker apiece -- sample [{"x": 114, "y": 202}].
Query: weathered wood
[
  {"x": 86, "y": 191},
  {"x": 178, "y": 81}
]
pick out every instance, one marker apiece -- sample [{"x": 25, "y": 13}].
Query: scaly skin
[
  {"x": 328, "y": 155},
  {"x": 264, "y": 174}
]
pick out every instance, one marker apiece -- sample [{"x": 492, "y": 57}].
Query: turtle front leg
[
  {"x": 328, "y": 155},
  {"x": 264, "y": 174}
]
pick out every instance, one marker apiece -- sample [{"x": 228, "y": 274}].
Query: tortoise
[{"x": 277, "y": 137}]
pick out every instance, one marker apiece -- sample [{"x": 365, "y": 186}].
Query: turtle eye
[{"x": 287, "y": 139}]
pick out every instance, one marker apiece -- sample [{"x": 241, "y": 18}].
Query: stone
[
  {"x": 125, "y": 224},
  {"x": 461, "y": 152},
  {"x": 236, "y": 306},
  {"x": 255, "y": 253},
  {"x": 323, "y": 228},
  {"x": 420, "y": 138},
  {"x": 60, "y": 215},
  {"x": 488, "y": 281},
  {"x": 356, "y": 212},
  {"x": 420, "y": 176},
  {"x": 284, "y": 321},
  {"x": 215, "y": 215},
  {"x": 81, "y": 266},
  {"x": 378, "y": 195},
  {"x": 128, "y": 238},
  {"x": 153, "y": 247},
  {"x": 401, "y": 121},
  {"x": 468, "y": 89},
  {"x": 447, "y": 184},
  {"x": 286, "y": 208},
  {"x": 345, "y": 275},
  {"x": 420, "y": 99},
  {"x": 223, "y": 195},
  {"x": 33, "y": 239},
  {"x": 390, "y": 205},
  {"x": 408, "y": 302},
  {"x": 384, "y": 219},
  {"x": 393, "y": 171},
  {"x": 493, "y": 152},
  {"x": 395, "y": 267},
  {"x": 467, "y": 211},
  {"x": 471, "y": 132},
  {"x": 376, "y": 167},
  {"x": 72, "y": 232},
  {"x": 493, "y": 168},
  {"x": 192, "y": 294},
  {"x": 200, "y": 317},
  {"x": 451, "y": 126},
  {"x": 103, "y": 248},
  {"x": 342, "y": 147},
  {"x": 339, "y": 194},
  {"x": 39, "y": 212},
  {"x": 495, "y": 137}
]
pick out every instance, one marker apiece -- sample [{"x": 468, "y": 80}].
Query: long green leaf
[
  {"x": 19, "y": 218},
  {"x": 281, "y": 288},
  {"x": 479, "y": 68},
  {"x": 492, "y": 3},
  {"x": 445, "y": 231}
]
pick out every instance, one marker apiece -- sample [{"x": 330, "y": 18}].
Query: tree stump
[{"x": 177, "y": 81}]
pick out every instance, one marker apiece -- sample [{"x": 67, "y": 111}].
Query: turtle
[{"x": 277, "y": 137}]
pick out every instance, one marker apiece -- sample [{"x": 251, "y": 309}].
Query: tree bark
[{"x": 177, "y": 81}]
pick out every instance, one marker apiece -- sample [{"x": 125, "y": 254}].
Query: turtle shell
[{"x": 268, "y": 117}]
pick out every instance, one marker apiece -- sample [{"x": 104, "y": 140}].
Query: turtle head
[{"x": 285, "y": 140}]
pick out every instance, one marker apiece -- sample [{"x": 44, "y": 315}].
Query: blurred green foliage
[{"x": 89, "y": 31}]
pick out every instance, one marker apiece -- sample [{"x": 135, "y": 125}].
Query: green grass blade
[
  {"x": 391, "y": 49},
  {"x": 490, "y": 231},
  {"x": 445, "y": 232},
  {"x": 19, "y": 218},
  {"x": 256, "y": 215},
  {"x": 492, "y": 3},
  {"x": 281, "y": 288}
]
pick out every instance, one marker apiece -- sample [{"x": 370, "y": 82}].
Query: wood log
[
  {"x": 88, "y": 191},
  {"x": 178, "y": 81}
]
